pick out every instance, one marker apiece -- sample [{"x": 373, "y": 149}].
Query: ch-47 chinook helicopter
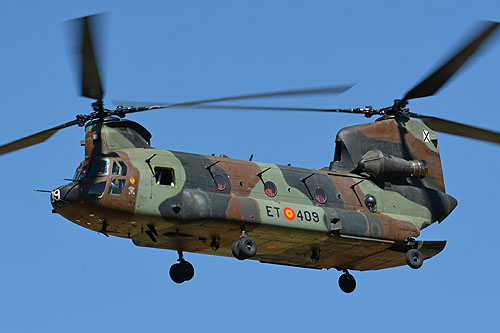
[{"x": 363, "y": 212}]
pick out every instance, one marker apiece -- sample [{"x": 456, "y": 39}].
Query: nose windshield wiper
[{"x": 72, "y": 180}]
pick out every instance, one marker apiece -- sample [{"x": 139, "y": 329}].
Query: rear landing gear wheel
[
  {"x": 173, "y": 273},
  {"x": 414, "y": 258},
  {"x": 182, "y": 271},
  {"x": 347, "y": 283},
  {"x": 186, "y": 270}
]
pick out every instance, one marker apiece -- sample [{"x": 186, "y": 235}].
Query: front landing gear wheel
[
  {"x": 235, "y": 248},
  {"x": 245, "y": 247},
  {"x": 181, "y": 272},
  {"x": 414, "y": 258},
  {"x": 248, "y": 247},
  {"x": 347, "y": 283}
]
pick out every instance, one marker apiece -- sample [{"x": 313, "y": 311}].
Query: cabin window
[
  {"x": 97, "y": 189},
  {"x": 270, "y": 189},
  {"x": 164, "y": 176},
  {"x": 320, "y": 195},
  {"x": 220, "y": 182},
  {"x": 116, "y": 186}
]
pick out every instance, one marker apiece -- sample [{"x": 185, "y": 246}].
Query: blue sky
[{"x": 59, "y": 277}]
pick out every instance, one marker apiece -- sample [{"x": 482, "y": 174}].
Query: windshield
[
  {"x": 97, "y": 168},
  {"x": 77, "y": 172}
]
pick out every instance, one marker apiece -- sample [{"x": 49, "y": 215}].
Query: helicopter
[{"x": 364, "y": 211}]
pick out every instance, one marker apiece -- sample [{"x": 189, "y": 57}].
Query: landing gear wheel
[
  {"x": 235, "y": 248},
  {"x": 347, "y": 283},
  {"x": 244, "y": 248},
  {"x": 414, "y": 258},
  {"x": 182, "y": 271},
  {"x": 248, "y": 247},
  {"x": 173, "y": 274},
  {"x": 185, "y": 270}
]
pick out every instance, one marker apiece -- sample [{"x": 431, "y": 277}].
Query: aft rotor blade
[
  {"x": 34, "y": 138},
  {"x": 302, "y": 92},
  {"x": 90, "y": 80},
  {"x": 440, "y": 76},
  {"x": 451, "y": 127}
]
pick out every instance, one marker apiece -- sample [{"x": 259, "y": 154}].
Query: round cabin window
[
  {"x": 371, "y": 202},
  {"x": 270, "y": 189},
  {"x": 220, "y": 182},
  {"x": 320, "y": 195}
]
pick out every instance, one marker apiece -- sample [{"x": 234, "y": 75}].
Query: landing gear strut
[
  {"x": 182, "y": 271},
  {"x": 245, "y": 247},
  {"x": 347, "y": 283}
]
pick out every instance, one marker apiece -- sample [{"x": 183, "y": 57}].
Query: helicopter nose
[{"x": 64, "y": 195}]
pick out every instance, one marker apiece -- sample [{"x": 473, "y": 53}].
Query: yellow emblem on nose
[{"x": 132, "y": 180}]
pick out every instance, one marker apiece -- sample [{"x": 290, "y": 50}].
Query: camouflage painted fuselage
[{"x": 207, "y": 199}]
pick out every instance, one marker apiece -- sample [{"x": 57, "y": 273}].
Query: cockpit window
[
  {"x": 115, "y": 170},
  {"x": 119, "y": 168},
  {"x": 124, "y": 168},
  {"x": 84, "y": 172},
  {"x": 97, "y": 189},
  {"x": 97, "y": 168},
  {"x": 100, "y": 167},
  {"x": 77, "y": 172},
  {"x": 116, "y": 186}
]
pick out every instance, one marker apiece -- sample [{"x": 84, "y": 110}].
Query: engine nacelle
[{"x": 382, "y": 166}]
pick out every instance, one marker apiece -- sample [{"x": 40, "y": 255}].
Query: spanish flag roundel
[{"x": 289, "y": 213}]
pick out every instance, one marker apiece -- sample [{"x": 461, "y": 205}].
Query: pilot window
[
  {"x": 164, "y": 176},
  {"x": 101, "y": 167},
  {"x": 97, "y": 168}
]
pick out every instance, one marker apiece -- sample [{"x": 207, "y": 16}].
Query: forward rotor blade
[
  {"x": 451, "y": 127},
  {"x": 91, "y": 85},
  {"x": 34, "y": 138},
  {"x": 269, "y": 108},
  {"x": 440, "y": 76},
  {"x": 303, "y": 92}
]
